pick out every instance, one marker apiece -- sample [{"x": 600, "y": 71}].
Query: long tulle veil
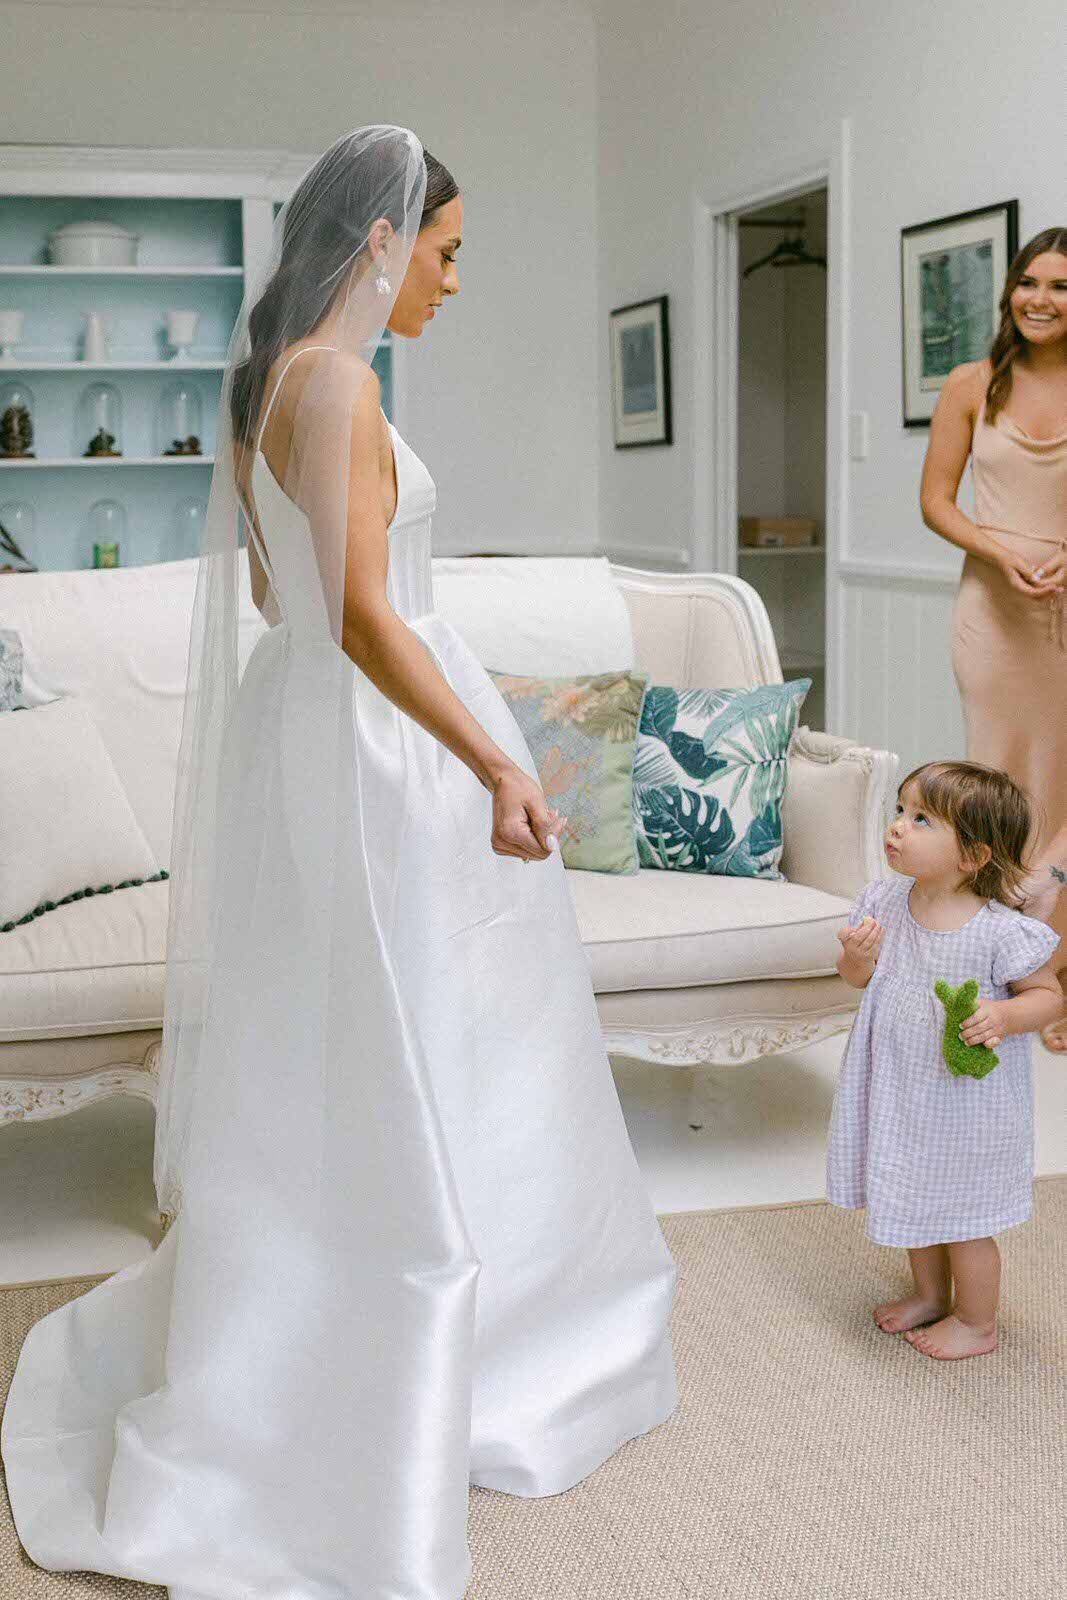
[{"x": 341, "y": 246}]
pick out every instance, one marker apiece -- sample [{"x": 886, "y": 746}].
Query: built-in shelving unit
[
  {"x": 111, "y": 366},
  {"x": 203, "y": 220},
  {"x": 53, "y": 271},
  {"x": 790, "y": 580},
  {"x": 103, "y": 463}
]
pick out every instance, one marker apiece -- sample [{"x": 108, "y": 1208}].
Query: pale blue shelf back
[{"x": 173, "y": 232}]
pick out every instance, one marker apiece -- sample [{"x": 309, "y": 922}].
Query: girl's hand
[
  {"x": 1038, "y": 583},
  {"x": 523, "y": 821},
  {"x": 985, "y": 1025},
  {"x": 863, "y": 943}
]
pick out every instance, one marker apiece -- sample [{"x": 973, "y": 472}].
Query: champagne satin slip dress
[{"x": 1009, "y": 653}]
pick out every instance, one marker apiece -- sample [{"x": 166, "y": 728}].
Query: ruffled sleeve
[
  {"x": 869, "y": 902},
  {"x": 1023, "y": 945}
]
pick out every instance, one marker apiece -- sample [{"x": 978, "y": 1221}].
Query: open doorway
[{"x": 781, "y": 494}]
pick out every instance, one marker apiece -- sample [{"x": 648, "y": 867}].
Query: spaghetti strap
[
  {"x": 253, "y": 533},
  {"x": 249, "y": 507},
  {"x": 277, "y": 386}
]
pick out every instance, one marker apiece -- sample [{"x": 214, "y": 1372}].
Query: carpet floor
[{"x": 812, "y": 1457}]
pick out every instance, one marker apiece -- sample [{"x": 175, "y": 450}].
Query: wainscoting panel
[{"x": 899, "y": 692}]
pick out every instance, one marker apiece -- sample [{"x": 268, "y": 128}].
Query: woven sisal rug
[{"x": 813, "y": 1457}]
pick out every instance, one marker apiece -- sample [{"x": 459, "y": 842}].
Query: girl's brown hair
[
  {"x": 1008, "y": 341},
  {"x": 983, "y": 807}
]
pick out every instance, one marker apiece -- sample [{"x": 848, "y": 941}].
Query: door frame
[{"x": 716, "y": 306}]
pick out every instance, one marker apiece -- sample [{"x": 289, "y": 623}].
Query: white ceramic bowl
[{"x": 93, "y": 244}]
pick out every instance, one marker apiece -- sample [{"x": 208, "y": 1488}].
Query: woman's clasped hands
[{"x": 1039, "y": 583}]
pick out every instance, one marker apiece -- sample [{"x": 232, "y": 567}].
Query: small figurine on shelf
[
  {"x": 100, "y": 418},
  {"x": 102, "y": 444},
  {"x": 16, "y": 421},
  {"x": 184, "y": 447}
]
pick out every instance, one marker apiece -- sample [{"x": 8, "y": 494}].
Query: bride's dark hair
[
  {"x": 315, "y": 246},
  {"x": 1009, "y": 342}
]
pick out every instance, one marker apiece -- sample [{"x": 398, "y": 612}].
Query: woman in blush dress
[{"x": 1008, "y": 413}]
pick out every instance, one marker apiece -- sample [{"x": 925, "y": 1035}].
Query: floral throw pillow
[
  {"x": 582, "y": 732},
  {"x": 709, "y": 777},
  {"x": 10, "y": 669}
]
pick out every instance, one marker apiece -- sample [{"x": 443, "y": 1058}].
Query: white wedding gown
[{"x": 414, "y": 1250}]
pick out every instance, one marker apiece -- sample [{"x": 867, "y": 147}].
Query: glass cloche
[
  {"x": 182, "y": 537},
  {"x": 16, "y": 420},
  {"x": 107, "y": 532},
  {"x": 98, "y": 431},
  {"x": 180, "y": 419},
  {"x": 18, "y": 525}
]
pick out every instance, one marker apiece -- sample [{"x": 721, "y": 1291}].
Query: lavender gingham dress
[{"x": 934, "y": 1157}]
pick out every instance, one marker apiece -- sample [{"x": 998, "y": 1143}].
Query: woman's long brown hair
[{"x": 1008, "y": 341}]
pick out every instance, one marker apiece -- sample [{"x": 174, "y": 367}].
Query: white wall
[
  {"x": 952, "y": 106},
  {"x": 502, "y": 383}
]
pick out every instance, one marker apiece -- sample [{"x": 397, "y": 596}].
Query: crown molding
[{"x": 147, "y": 170}]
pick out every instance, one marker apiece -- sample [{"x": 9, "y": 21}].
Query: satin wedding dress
[{"x": 456, "y": 1275}]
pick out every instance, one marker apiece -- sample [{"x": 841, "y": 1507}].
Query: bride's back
[{"x": 274, "y": 431}]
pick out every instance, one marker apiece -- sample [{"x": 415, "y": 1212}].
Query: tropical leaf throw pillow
[
  {"x": 582, "y": 733},
  {"x": 709, "y": 777}
]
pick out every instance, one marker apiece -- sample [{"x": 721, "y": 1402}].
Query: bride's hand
[{"x": 523, "y": 821}]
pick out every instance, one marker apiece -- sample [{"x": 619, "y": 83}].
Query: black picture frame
[
  {"x": 952, "y": 271},
  {"x": 641, "y": 374}
]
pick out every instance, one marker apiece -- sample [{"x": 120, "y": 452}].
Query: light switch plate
[{"x": 859, "y": 435}]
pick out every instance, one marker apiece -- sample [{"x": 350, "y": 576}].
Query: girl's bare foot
[
  {"x": 896, "y": 1316},
  {"x": 951, "y": 1340}
]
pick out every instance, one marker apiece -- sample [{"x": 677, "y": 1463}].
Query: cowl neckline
[{"x": 1014, "y": 429}]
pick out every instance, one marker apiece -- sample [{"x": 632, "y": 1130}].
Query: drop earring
[{"x": 384, "y": 286}]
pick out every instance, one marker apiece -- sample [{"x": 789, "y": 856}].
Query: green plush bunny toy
[{"x": 965, "y": 1060}]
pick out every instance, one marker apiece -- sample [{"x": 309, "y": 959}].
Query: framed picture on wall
[
  {"x": 641, "y": 374},
  {"x": 952, "y": 271}
]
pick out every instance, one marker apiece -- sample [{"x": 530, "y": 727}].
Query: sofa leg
[{"x": 698, "y": 1104}]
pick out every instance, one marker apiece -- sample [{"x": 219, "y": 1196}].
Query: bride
[{"x": 409, "y": 1245}]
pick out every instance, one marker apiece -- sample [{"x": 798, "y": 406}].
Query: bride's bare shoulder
[
  {"x": 343, "y": 379},
  {"x": 345, "y": 365}
]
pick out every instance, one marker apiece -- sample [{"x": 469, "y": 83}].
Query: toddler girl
[{"x": 943, "y": 1162}]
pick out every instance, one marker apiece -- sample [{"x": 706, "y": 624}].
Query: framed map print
[
  {"x": 641, "y": 374},
  {"x": 952, "y": 272}
]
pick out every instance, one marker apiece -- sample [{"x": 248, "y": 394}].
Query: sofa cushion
[
  {"x": 66, "y": 826},
  {"x": 94, "y": 966},
  {"x": 666, "y": 930},
  {"x": 709, "y": 775},
  {"x": 118, "y": 639},
  {"x": 581, "y": 732},
  {"x": 10, "y": 668}
]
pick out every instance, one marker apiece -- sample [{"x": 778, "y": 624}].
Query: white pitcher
[{"x": 95, "y": 337}]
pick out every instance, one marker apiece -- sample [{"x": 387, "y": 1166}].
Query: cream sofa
[{"x": 687, "y": 969}]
